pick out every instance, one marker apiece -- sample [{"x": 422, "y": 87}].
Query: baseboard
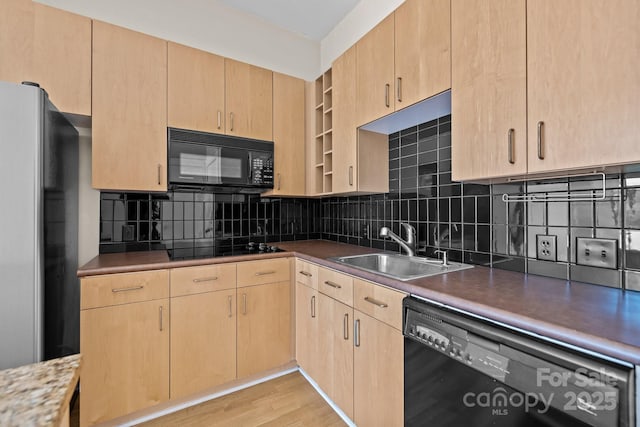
[
  {"x": 330, "y": 402},
  {"x": 176, "y": 405}
]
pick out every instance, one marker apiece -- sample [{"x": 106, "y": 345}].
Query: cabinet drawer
[
  {"x": 379, "y": 302},
  {"x": 307, "y": 273},
  {"x": 264, "y": 271},
  {"x": 114, "y": 289},
  {"x": 336, "y": 285},
  {"x": 203, "y": 278}
]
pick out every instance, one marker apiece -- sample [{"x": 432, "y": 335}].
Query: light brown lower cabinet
[
  {"x": 307, "y": 351},
  {"x": 125, "y": 356},
  {"x": 203, "y": 341},
  {"x": 378, "y": 377},
  {"x": 335, "y": 366},
  {"x": 264, "y": 327},
  {"x": 358, "y": 359}
]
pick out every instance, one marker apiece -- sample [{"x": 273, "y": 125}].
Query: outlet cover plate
[
  {"x": 601, "y": 253},
  {"x": 546, "y": 247}
]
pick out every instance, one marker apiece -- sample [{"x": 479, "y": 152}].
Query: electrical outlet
[
  {"x": 547, "y": 247},
  {"x": 597, "y": 252}
]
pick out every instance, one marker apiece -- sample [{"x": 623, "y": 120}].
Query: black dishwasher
[{"x": 464, "y": 371}]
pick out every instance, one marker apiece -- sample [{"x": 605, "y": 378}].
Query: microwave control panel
[{"x": 261, "y": 168}]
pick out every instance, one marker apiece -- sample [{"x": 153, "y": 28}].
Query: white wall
[
  {"x": 366, "y": 15},
  {"x": 208, "y": 25},
  {"x": 88, "y": 204}
]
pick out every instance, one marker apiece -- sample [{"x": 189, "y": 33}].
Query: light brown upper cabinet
[
  {"x": 422, "y": 50},
  {"x": 48, "y": 46},
  {"x": 248, "y": 100},
  {"x": 129, "y": 110},
  {"x": 406, "y": 58},
  {"x": 375, "y": 72},
  {"x": 195, "y": 89},
  {"x": 583, "y": 71},
  {"x": 360, "y": 158},
  {"x": 546, "y": 96},
  {"x": 288, "y": 135},
  {"x": 345, "y": 134},
  {"x": 488, "y": 97}
]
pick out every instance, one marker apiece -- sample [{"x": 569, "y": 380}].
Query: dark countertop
[{"x": 596, "y": 318}]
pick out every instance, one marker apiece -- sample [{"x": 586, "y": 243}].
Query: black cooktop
[{"x": 251, "y": 248}]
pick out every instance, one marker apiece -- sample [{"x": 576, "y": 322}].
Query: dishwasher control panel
[{"x": 456, "y": 343}]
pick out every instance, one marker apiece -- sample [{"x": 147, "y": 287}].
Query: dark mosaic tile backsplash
[
  {"x": 470, "y": 221},
  {"x": 473, "y": 223},
  {"x": 201, "y": 224}
]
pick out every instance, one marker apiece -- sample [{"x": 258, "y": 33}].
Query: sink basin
[{"x": 400, "y": 267}]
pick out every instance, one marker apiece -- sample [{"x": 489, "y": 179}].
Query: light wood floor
[{"x": 286, "y": 401}]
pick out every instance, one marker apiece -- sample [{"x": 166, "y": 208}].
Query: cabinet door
[
  {"x": 48, "y": 46},
  {"x": 16, "y": 39},
  {"x": 378, "y": 373},
  {"x": 488, "y": 95},
  {"x": 249, "y": 100},
  {"x": 203, "y": 341},
  {"x": 583, "y": 83},
  {"x": 307, "y": 329},
  {"x": 195, "y": 89},
  {"x": 422, "y": 50},
  {"x": 335, "y": 367},
  {"x": 129, "y": 123},
  {"x": 62, "y": 58},
  {"x": 344, "y": 91},
  {"x": 264, "y": 327},
  {"x": 376, "y": 70},
  {"x": 288, "y": 135},
  {"x": 125, "y": 358}
]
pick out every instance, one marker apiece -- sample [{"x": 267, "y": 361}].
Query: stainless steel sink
[{"x": 400, "y": 267}]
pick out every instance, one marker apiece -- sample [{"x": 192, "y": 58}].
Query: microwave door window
[{"x": 200, "y": 167}]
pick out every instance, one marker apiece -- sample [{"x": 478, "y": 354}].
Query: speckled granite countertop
[{"x": 38, "y": 394}]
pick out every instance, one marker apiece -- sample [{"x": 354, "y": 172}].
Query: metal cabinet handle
[
  {"x": 231, "y": 120},
  {"x": 332, "y": 284},
  {"x": 356, "y": 333},
  {"x": 541, "y": 140},
  {"x": 264, "y": 273},
  {"x": 279, "y": 180},
  {"x": 350, "y": 175},
  {"x": 244, "y": 304},
  {"x": 375, "y": 302},
  {"x": 510, "y": 142},
  {"x": 230, "y": 306},
  {"x": 161, "y": 319},
  {"x": 345, "y": 327},
  {"x": 313, "y": 307},
  {"x": 386, "y": 94},
  {"x": 159, "y": 174},
  {"x": 305, "y": 273},
  {"x": 205, "y": 279},
  {"x": 219, "y": 119},
  {"x": 133, "y": 288},
  {"x": 399, "y": 89}
]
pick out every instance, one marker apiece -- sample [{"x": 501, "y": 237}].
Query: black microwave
[{"x": 219, "y": 162}]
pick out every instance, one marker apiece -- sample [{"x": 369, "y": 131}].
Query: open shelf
[{"x": 322, "y": 149}]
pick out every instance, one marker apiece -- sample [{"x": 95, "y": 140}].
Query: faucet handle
[{"x": 445, "y": 256}]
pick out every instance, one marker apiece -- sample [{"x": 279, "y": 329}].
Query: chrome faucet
[
  {"x": 408, "y": 245},
  {"x": 445, "y": 257}
]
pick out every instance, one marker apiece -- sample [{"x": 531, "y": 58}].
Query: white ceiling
[{"x": 313, "y": 19}]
